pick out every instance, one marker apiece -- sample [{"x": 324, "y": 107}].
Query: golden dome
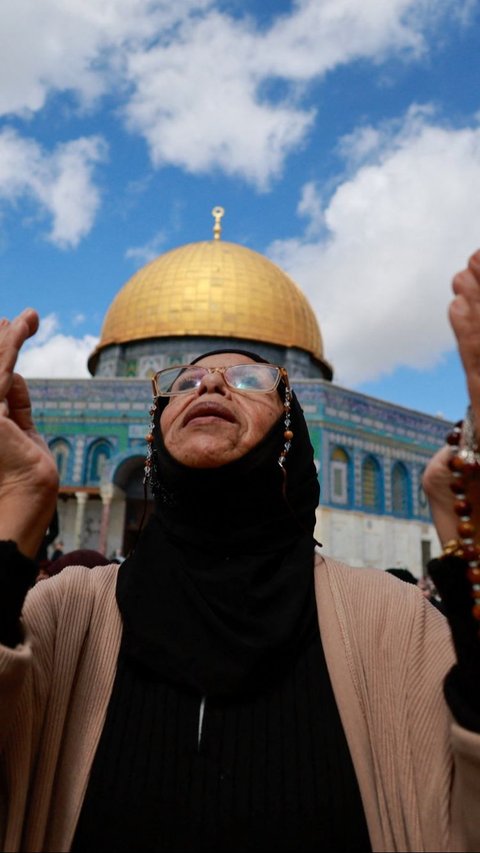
[{"x": 215, "y": 289}]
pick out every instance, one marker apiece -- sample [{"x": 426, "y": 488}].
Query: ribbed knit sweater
[{"x": 387, "y": 652}]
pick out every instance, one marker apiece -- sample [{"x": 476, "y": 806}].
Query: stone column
[
  {"x": 106, "y": 494},
  {"x": 82, "y": 498}
]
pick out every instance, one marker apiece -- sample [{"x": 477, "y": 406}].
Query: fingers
[
  {"x": 437, "y": 476},
  {"x": 12, "y": 337},
  {"x": 466, "y": 287},
  {"x": 464, "y": 315},
  {"x": 436, "y": 485},
  {"x": 22, "y": 327},
  {"x": 29, "y": 318},
  {"x": 19, "y": 406}
]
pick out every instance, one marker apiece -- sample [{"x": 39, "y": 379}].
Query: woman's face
[{"x": 214, "y": 424}]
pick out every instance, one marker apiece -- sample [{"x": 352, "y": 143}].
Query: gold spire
[{"x": 217, "y": 213}]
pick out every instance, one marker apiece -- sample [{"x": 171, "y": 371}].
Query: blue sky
[{"x": 342, "y": 137}]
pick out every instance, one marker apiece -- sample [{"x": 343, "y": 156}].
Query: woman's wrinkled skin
[{"x": 215, "y": 425}]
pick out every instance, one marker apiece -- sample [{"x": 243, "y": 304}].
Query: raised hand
[
  {"x": 28, "y": 475},
  {"x": 465, "y": 320},
  {"x": 464, "y": 315}
]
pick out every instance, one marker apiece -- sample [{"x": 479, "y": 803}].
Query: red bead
[
  {"x": 453, "y": 438},
  {"x": 463, "y": 507},
  {"x": 457, "y": 486},
  {"x": 466, "y": 529},
  {"x": 149, "y": 438},
  {"x": 456, "y": 463},
  {"x": 476, "y": 611},
  {"x": 288, "y": 435},
  {"x": 470, "y": 552},
  {"x": 473, "y": 574}
]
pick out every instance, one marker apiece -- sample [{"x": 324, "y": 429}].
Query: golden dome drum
[{"x": 215, "y": 289}]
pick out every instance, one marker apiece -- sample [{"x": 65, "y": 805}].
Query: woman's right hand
[{"x": 28, "y": 474}]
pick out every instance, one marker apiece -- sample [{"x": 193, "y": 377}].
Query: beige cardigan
[{"x": 387, "y": 651}]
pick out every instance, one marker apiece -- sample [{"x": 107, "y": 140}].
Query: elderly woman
[{"x": 226, "y": 688}]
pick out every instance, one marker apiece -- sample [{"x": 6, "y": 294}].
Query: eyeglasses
[{"x": 251, "y": 378}]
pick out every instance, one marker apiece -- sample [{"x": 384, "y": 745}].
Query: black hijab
[{"x": 218, "y": 594}]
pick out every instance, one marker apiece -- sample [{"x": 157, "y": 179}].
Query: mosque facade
[{"x": 370, "y": 455}]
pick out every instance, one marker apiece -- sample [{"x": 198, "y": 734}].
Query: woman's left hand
[{"x": 464, "y": 315}]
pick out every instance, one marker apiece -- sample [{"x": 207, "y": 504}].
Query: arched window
[
  {"x": 339, "y": 476},
  {"x": 371, "y": 484},
  {"x": 400, "y": 490},
  {"x": 423, "y": 505},
  {"x": 98, "y": 454},
  {"x": 61, "y": 451}
]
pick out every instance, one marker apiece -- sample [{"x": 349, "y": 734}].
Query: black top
[{"x": 265, "y": 773}]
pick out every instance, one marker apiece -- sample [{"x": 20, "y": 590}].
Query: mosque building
[{"x": 207, "y": 295}]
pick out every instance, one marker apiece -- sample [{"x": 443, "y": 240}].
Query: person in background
[
  {"x": 41, "y": 558},
  {"x": 427, "y": 586},
  {"x": 403, "y": 574},
  {"x": 80, "y": 557},
  {"x": 424, "y": 583},
  {"x": 228, "y": 687},
  {"x": 57, "y": 550}
]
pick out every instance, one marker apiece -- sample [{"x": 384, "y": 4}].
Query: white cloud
[
  {"x": 319, "y": 36},
  {"x": 196, "y": 102},
  {"x": 149, "y": 251},
  {"x": 60, "y": 183},
  {"x": 192, "y": 79},
  {"x": 53, "y": 45},
  {"x": 395, "y": 233},
  {"x": 310, "y": 207},
  {"x": 53, "y": 355},
  {"x": 78, "y": 319},
  {"x": 47, "y": 328},
  {"x": 199, "y": 96}
]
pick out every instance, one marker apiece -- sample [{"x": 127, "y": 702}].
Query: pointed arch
[
  {"x": 340, "y": 476},
  {"x": 98, "y": 455},
  {"x": 61, "y": 450},
  {"x": 401, "y": 490},
  {"x": 372, "y": 496}
]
